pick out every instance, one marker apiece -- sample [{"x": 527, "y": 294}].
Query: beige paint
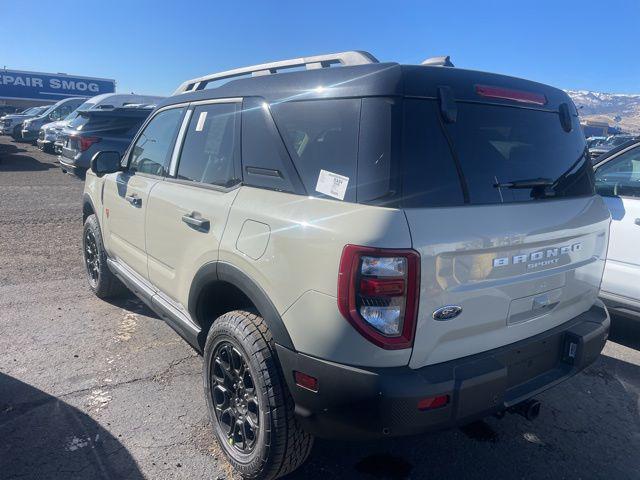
[
  {"x": 124, "y": 227},
  {"x": 175, "y": 250}
]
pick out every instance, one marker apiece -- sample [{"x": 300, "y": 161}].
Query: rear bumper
[
  {"x": 44, "y": 144},
  {"x": 359, "y": 403}
]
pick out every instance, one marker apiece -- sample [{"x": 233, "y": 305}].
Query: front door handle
[
  {"x": 134, "y": 200},
  {"x": 637, "y": 221},
  {"x": 195, "y": 220}
]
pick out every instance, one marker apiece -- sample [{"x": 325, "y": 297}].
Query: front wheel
[
  {"x": 102, "y": 282},
  {"x": 251, "y": 409}
]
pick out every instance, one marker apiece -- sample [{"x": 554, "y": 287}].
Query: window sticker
[
  {"x": 332, "y": 184},
  {"x": 201, "y": 119}
]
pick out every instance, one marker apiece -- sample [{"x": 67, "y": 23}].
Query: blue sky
[{"x": 152, "y": 46}]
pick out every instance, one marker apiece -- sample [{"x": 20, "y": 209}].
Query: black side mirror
[{"x": 105, "y": 162}]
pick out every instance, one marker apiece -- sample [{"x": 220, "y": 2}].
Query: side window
[
  {"x": 152, "y": 151},
  {"x": 63, "y": 111},
  {"x": 210, "y": 149},
  {"x": 265, "y": 160},
  {"x": 322, "y": 135},
  {"x": 620, "y": 176}
]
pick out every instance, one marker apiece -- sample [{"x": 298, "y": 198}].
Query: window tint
[
  {"x": 429, "y": 174},
  {"x": 321, "y": 135},
  {"x": 209, "y": 152},
  {"x": 265, "y": 160},
  {"x": 620, "y": 176},
  {"x": 499, "y": 145},
  {"x": 152, "y": 150},
  {"x": 113, "y": 124},
  {"x": 64, "y": 110},
  {"x": 378, "y": 151}
]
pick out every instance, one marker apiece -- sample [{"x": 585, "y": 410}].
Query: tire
[
  {"x": 17, "y": 135},
  {"x": 278, "y": 445},
  {"x": 101, "y": 281}
]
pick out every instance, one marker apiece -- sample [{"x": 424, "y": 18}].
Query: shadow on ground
[
  {"x": 14, "y": 158},
  {"x": 625, "y": 331},
  {"x": 43, "y": 437}
]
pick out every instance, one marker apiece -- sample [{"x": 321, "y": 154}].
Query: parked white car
[{"x": 618, "y": 181}]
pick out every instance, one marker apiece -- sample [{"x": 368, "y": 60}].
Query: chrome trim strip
[{"x": 173, "y": 165}]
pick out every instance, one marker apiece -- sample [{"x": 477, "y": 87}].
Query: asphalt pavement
[{"x": 105, "y": 390}]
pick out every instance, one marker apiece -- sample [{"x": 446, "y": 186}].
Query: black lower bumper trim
[{"x": 361, "y": 403}]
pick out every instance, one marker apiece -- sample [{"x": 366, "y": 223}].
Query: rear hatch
[
  {"x": 498, "y": 194},
  {"x": 93, "y": 126}
]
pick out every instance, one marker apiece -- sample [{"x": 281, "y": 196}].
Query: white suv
[
  {"x": 363, "y": 251},
  {"x": 618, "y": 181}
]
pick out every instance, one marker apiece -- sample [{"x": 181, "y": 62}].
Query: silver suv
[{"x": 363, "y": 251}]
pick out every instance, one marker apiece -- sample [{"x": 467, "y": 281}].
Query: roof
[{"x": 372, "y": 79}]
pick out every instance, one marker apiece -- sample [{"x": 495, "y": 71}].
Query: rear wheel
[
  {"x": 250, "y": 406},
  {"x": 17, "y": 133},
  {"x": 103, "y": 283}
]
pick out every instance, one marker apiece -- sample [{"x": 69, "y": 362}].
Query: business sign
[{"x": 19, "y": 85}]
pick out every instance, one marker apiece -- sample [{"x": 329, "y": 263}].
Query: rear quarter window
[{"x": 321, "y": 135}]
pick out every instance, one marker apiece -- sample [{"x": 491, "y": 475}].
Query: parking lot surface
[{"x": 94, "y": 389}]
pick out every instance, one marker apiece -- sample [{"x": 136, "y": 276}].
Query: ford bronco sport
[{"x": 369, "y": 250}]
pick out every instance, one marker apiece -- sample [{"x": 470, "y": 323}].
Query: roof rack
[
  {"x": 444, "y": 61},
  {"x": 349, "y": 58}
]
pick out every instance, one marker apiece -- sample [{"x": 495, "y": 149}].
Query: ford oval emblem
[{"x": 447, "y": 312}]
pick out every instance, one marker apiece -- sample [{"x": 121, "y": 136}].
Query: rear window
[
  {"x": 111, "y": 123},
  {"x": 500, "y": 145},
  {"x": 504, "y": 154}
]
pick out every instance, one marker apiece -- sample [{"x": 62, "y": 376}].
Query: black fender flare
[
  {"x": 86, "y": 199},
  {"x": 225, "y": 272}
]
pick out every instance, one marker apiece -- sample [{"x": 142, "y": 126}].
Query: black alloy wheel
[
  {"x": 234, "y": 398},
  {"x": 91, "y": 257}
]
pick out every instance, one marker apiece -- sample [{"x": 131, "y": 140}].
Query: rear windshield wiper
[{"x": 531, "y": 183}]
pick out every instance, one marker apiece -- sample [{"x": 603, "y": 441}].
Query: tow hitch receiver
[{"x": 529, "y": 409}]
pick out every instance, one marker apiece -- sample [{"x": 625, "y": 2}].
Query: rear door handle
[
  {"x": 637, "y": 221},
  {"x": 134, "y": 200},
  {"x": 195, "y": 220}
]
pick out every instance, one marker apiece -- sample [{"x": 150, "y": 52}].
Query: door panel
[
  {"x": 125, "y": 204},
  {"x": 187, "y": 214},
  {"x": 126, "y": 193},
  {"x": 176, "y": 248},
  {"x": 622, "y": 268}
]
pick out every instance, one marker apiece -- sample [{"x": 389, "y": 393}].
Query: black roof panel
[{"x": 378, "y": 79}]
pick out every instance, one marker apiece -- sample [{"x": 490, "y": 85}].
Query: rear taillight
[
  {"x": 378, "y": 293},
  {"x": 84, "y": 143},
  {"x": 522, "y": 96}
]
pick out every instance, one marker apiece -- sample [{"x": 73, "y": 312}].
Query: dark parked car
[
  {"x": 95, "y": 130},
  {"x": 8, "y": 110}
]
